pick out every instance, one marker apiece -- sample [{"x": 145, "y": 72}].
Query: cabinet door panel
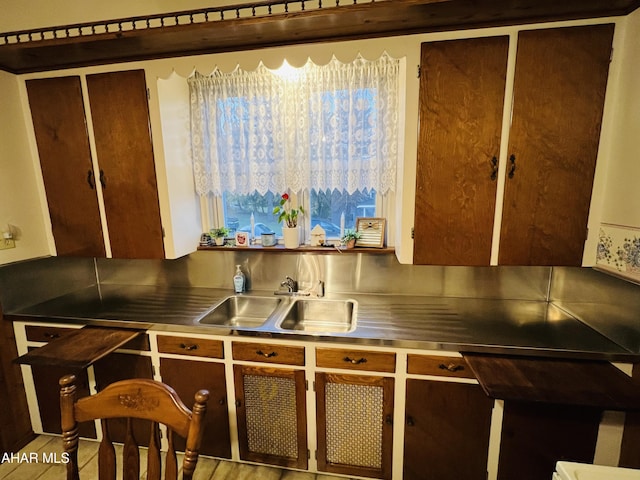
[
  {"x": 60, "y": 128},
  {"x": 447, "y": 431},
  {"x": 186, "y": 377},
  {"x": 121, "y": 366},
  {"x": 272, "y": 415},
  {"x": 120, "y": 118},
  {"x": 355, "y": 424},
  {"x": 45, "y": 380},
  {"x": 536, "y": 435},
  {"x": 462, "y": 84},
  {"x": 630, "y": 448},
  {"x": 560, "y": 83}
]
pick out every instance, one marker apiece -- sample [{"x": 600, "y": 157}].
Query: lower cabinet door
[
  {"x": 536, "y": 435},
  {"x": 355, "y": 424},
  {"x": 45, "y": 380},
  {"x": 121, "y": 366},
  {"x": 447, "y": 429},
  {"x": 272, "y": 415},
  {"x": 186, "y": 377}
]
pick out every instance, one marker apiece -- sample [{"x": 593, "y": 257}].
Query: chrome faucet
[{"x": 290, "y": 283}]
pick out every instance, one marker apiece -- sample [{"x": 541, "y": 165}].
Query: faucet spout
[{"x": 290, "y": 284}]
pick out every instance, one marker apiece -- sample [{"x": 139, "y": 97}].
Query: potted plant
[
  {"x": 289, "y": 217},
  {"x": 349, "y": 238},
  {"x": 219, "y": 234}
]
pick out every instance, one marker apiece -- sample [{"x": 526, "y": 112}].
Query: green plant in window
[
  {"x": 219, "y": 232},
  {"x": 287, "y": 214}
]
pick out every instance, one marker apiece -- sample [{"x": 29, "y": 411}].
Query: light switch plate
[{"x": 6, "y": 243}]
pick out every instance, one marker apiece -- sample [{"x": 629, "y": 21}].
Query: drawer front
[
  {"x": 268, "y": 353},
  {"x": 440, "y": 366},
  {"x": 356, "y": 359},
  {"x": 44, "y": 333},
  {"x": 194, "y": 347}
]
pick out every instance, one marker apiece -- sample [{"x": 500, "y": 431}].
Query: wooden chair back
[{"x": 135, "y": 398}]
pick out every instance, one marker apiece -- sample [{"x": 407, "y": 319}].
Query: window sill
[{"x": 304, "y": 249}]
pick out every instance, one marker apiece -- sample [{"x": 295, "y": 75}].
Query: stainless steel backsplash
[{"x": 341, "y": 273}]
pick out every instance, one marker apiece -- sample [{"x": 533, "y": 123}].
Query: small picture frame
[
  {"x": 242, "y": 239},
  {"x": 371, "y": 231}
]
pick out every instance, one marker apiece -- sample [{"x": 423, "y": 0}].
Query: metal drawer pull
[
  {"x": 388, "y": 420},
  {"x": 494, "y": 168},
  {"x": 512, "y": 169},
  {"x": 452, "y": 367},
  {"x": 51, "y": 335},
  {"x": 90, "y": 180},
  {"x": 267, "y": 355},
  {"x": 354, "y": 361},
  {"x": 410, "y": 421},
  {"x": 193, "y": 346}
]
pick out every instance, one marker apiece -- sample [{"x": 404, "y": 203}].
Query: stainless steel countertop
[{"x": 421, "y": 322}]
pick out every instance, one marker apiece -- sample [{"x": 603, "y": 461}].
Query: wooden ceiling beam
[{"x": 348, "y": 22}]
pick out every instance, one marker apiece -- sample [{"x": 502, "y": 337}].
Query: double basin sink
[{"x": 310, "y": 315}]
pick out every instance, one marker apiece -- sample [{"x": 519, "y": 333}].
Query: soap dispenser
[{"x": 239, "y": 280}]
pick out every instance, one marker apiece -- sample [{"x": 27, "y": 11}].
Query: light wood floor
[{"x": 46, "y": 448}]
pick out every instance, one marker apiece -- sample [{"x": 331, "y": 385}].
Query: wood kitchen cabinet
[
  {"x": 272, "y": 418},
  {"x": 447, "y": 423},
  {"x": 354, "y": 413},
  {"x": 462, "y": 85},
  {"x": 15, "y": 424},
  {"x": 121, "y": 366},
  {"x": 188, "y": 375},
  {"x": 45, "y": 382},
  {"x": 447, "y": 428},
  {"x": 123, "y": 172},
  {"x": 536, "y": 435},
  {"x": 271, "y": 404},
  {"x": 355, "y": 424},
  {"x": 630, "y": 448},
  {"x": 558, "y": 98}
]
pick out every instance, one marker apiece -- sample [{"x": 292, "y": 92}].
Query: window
[{"x": 327, "y": 135}]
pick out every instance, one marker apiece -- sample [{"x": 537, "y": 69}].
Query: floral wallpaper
[{"x": 619, "y": 249}]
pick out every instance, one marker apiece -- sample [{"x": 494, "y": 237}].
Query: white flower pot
[{"x": 291, "y": 237}]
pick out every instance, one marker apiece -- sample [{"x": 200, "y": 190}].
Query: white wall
[
  {"x": 618, "y": 229},
  {"x": 622, "y": 199},
  {"x": 19, "y": 187}
]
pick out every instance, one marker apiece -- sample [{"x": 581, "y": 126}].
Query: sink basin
[
  {"x": 241, "y": 311},
  {"x": 320, "y": 316}
]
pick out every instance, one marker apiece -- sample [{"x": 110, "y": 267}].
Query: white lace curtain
[{"x": 331, "y": 126}]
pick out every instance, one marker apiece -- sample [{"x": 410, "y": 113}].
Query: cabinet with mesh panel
[
  {"x": 272, "y": 418},
  {"x": 355, "y": 424}
]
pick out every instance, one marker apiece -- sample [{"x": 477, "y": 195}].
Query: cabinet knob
[
  {"x": 90, "y": 180},
  {"x": 354, "y": 361},
  {"x": 267, "y": 355},
  {"x": 512, "y": 168},
  {"x": 410, "y": 421},
  {"x": 451, "y": 367},
  {"x": 388, "y": 420},
  {"x": 51, "y": 335},
  {"x": 192, "y": 346},
  {"x": 103, "y": 181},
  {"x": 494, "y": 168}
]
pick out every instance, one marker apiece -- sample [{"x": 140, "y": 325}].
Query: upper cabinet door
[
  {"x": 560, "y": 83},
  {"x": 120, "y": 118},
  {"x": 462, "y": 86},
  {"x": 60, "y": 128}
]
